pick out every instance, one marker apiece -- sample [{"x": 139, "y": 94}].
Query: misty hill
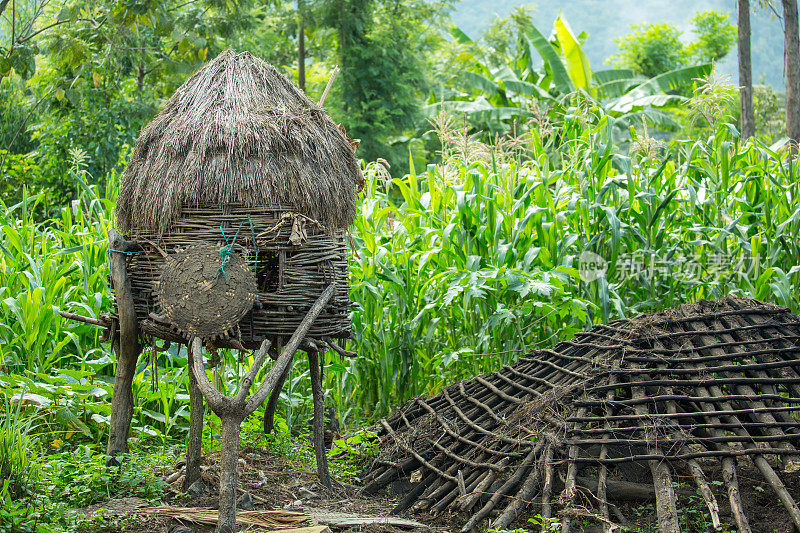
[{"x": 605, "y": 20}]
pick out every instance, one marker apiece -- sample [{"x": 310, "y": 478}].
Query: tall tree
[
  {"x": 747, "y": 117},
  {"x": 791, "y": 55},
  {"x": 383, "y": 49},
  {"x": 301, "y": 45}
]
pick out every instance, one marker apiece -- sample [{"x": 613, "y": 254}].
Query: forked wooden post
[{"x": 233, "y": 410}]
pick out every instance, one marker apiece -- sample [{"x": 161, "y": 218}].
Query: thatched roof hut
[
  {"x": 240, "y": 162},
  {"x": 239, "y": 132}
]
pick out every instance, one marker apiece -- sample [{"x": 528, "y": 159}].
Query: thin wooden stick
[
  {"x": 329, "y": 85},
  {"x": 86, "y": 319}
]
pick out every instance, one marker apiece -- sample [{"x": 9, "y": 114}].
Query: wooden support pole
[
  {"x": 315, "y": 367},
  {"x": 734, "y": 494},
  {"x": 662, "y": 480},
  {"x": 195, "y": 440},
  {"x": 569, "y": 484},
  {"x": 128, "y": 352},
  {"x": 547, "y": 491},
  {"x": 705, "y": 491},
  {"x": 272, "y": 402}
]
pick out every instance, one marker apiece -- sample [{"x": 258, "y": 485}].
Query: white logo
[{"x": 591, "y": 266}]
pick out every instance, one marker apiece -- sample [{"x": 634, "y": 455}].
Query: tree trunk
[
  {"x": 128, "y": 353},
  {"x": 301, "y": 46},
  {"x": 791, "y": 54},
  {"x": 228, "y": 475},
  {"x": 746, "y": 116},
  {"x": 140, "y": 74},
  {"x": 194, "y": 443}
]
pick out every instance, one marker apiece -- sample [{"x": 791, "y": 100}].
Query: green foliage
[
  {"x": 19, "y": 171},
  {"x": 651, "y": 49},
  {"x": 454, "y": 259},
  {"x": 713, "y": 102},
  {"x": 514, "y": 93},
  {"x": 79, "y": 477},
  {"x": 350, "y": 455},
  {"x": 501, "y": 37},
  {"x": 43, "y": 267},
  {"x": 382, "y": 49},
  {"x": 86, "y": 76},
  {"x": 768, "y": 112},
  {"x": 547, "y": 524},
  {"x": 13, "y": 119},
  {"x": 715, "y": 37},
  {"x": 18, "y": 450}
]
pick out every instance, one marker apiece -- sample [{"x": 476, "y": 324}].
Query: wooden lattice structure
[
  {"x": 289, "y": 276},
  {"x": 710, "y": 384}
]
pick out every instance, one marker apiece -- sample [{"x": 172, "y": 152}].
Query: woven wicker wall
[{"x": 295, "y": 275}]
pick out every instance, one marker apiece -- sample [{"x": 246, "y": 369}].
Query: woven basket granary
[{"x": 241, "y": 161}]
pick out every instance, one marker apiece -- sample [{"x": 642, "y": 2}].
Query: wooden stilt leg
[
  {"x": 272, "y": 402},
  {"x": 319, "y": 418},
  {"x": 127, "y": 354},
  {"x": 194, "y": 443}
]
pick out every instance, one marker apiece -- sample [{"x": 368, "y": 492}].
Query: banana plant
[{"x": 494, "y": 98}]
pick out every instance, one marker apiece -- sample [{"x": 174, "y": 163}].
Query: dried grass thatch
[
  {"x": 239, "y": 132},
  {"x": 273, "y": 519}
]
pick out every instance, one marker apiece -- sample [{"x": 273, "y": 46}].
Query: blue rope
[
  {"x": 109, "y": 250},
  {"x": 225, "y": 251},
  {"x": 122, "y": 251}
]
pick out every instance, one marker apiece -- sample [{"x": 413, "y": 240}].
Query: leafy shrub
[
  {"x": 18, "y": 171},
  {"x": 652, "y": 49},
  {"x": 79, "y": 477},
  {"x": 350, "y": 455},
  {"x": 768, "y": 113}
]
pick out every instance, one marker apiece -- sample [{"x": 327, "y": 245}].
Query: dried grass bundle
[{"x": 277, "y": 519}]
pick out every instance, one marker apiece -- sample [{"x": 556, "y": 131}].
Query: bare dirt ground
[
  {"x": 267, "y": 482},
  {"x": 271, "y": 482}
]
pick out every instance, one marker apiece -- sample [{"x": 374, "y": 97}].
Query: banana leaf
[
  {"x": 533, "y": 39},
  {"x": 577, "y": 63}
]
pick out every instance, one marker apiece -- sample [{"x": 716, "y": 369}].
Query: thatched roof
[{"x": 239, "y": 132}]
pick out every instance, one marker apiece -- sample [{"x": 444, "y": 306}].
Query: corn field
[{"x": 456, "y": 269}]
